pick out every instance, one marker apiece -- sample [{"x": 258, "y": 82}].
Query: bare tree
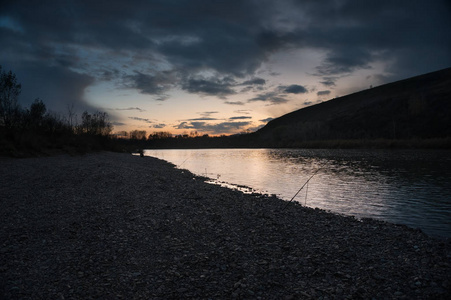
[
  {"x": 36, "y": 113},
  {"x": 138, "y": 135},
  {"x": 71, "y": 115},
  {"x": 95, "y": 124},
  {"x": 9, "y": 92}
]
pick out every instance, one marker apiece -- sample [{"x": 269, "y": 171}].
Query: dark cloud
[
  {"x": 240, "y": 118},
  {"x": 150, "y": 84},
  {"x": 158, "y": 126},
  {"x": 254, "y": 85},
  {"x": 355, "y": 34},
  {"x": 251, "y": 88},
  {"x": 210, "y": 87},
  {"x": 243, "y": 111},
  {"x": 294, "y": 89},
  {"x": 345, "y": 61},
  {"x": 271, "y": 97},
  {"x": 274, "y": 74},
  {"x": 162, "y": 98},
  {"x": 203, "y": 119},
  {"x": 208, "y": 113},
  {"x": 184, "y": 125},
  {"x": 140, "y": 119},
  {"x": 279, "y": 94},
  {"x": 323, "y": 93},
  {"x": 254, "y": 81},
  {"x": 109, "y": 75},
  {"x": 234, "y": 102},
  {"x": 224, "y": 36},
  {"x": 329, "y": 81},
  {"x": 219, "y": 128}
]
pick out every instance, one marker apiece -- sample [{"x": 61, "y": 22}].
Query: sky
[{"x": 215, "y": 67}]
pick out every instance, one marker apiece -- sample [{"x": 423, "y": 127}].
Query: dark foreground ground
[{"x": 116, "y": 226}]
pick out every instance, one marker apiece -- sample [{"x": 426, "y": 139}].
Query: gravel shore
[{"x": 117, "y": 226}]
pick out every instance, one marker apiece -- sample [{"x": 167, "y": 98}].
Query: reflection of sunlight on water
[
  {"x": 351, "y": 195},
  {"x": 410, "y": 187}
]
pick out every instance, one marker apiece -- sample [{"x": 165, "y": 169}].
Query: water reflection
[{"x": 408, "y": 187}]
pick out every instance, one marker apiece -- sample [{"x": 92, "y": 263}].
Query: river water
[{"x": 410, "y": 187}]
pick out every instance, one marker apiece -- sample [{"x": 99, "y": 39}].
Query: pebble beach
[{"x": 119, "y": 226}]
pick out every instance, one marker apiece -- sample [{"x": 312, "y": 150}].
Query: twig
[
  {"x": 183, "y": 162},
  {"x": 302, "y": 187}
]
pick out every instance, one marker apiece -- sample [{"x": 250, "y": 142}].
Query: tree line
[
  {"x": 35, "y": 127},
  {"x": 141, "y": 135}
]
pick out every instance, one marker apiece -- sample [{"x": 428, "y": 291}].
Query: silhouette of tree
[
  {"x": 138, "y": 135},
  {"x": 71, "y": 115},
  {"x": 95, "y": 124},
  {"x": 36, "y": 113},
  {"x": 9, "y": 92},
  {"x": 160, "y": 135}
]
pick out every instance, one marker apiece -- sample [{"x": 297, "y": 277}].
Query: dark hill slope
[{"x": 418, "y": 107}]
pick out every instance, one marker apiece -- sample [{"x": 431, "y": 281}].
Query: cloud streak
[
  {"x": 240, "y": 118},
  {"x": 271, "y": 97},
  {"x": 141, "y": 119},
  {"x": 218, "y": 128},
  {"x": 323, "y": 93},
  {"x": 131, "y": 108}
]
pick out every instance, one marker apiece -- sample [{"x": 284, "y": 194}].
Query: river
[{"x": 411, "y": 187}]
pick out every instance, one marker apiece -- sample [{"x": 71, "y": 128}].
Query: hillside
[{"x": 414, "y": 108}]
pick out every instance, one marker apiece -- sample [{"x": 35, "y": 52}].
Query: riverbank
[{"x": 112, "y": 225}]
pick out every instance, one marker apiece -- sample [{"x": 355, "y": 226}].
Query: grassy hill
[{"x": 418, "y": 108}]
